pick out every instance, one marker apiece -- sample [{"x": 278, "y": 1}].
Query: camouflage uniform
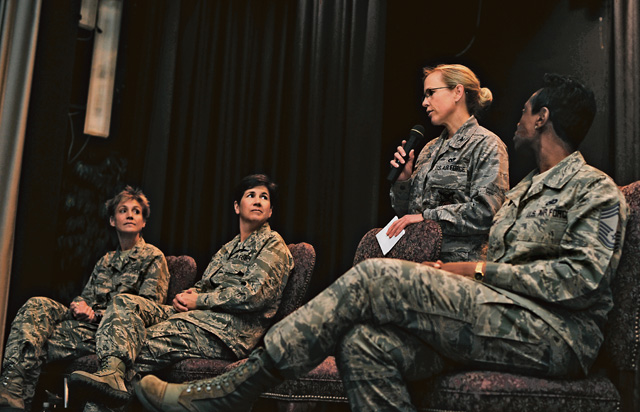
[
  {"x": 45, "y": 330},
  {"x": 238, "y": 295},
  {"x": 460, "y": 182},
  {"x": 553, "y": 251}
]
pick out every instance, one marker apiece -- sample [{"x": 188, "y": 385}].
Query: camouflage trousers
[
  {"x": 165, "y": 344},
  {"x": 44, "y": 331},
  {"x": 145, "y": 336},
  {"x": 389, "y": 322}
]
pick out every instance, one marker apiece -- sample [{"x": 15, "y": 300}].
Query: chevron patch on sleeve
[{"x": 608, "y": 229}]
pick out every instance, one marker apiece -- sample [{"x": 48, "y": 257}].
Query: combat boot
[
  {"x": 107, "y": 386},
  {"x": 11, "y": 390},
  {"x": 234, "y": 391}
]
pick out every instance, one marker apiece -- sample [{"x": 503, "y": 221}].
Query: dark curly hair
[{"x": 571, "y": 104}]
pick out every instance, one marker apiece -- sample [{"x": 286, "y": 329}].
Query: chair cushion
[
  {"x": 194, "y": 369},
  {"x": 420, "y": 243},
  {"x": 622, "y": 344},
  {"x": 479, "y": 391},
  {"x": 183, "y": 272},
  {"x": 293, "y": 296}
]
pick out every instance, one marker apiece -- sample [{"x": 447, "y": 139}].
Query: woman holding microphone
[{"x": 460, "y": 178}]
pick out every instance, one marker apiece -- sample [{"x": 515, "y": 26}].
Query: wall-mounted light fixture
[
  {"x": 88, "y": 13},
  {"x": 103, "y": 68}
]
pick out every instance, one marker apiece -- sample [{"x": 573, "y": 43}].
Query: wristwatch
[{"x": 479, "y": 274}]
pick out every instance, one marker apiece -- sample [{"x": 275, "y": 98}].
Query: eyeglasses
[{"x": 429, "y": 92}]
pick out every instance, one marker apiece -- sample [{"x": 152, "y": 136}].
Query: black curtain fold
[
  {"x": 221, "y": 89},
  {"x": 626, "y": 93}
]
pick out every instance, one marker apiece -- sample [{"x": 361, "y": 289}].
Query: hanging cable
[
  {"x": 476, "y": 31},
  {"x": 69, "y": 158}
]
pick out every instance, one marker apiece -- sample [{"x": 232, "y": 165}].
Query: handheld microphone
[{"x": 416, "y": 135}]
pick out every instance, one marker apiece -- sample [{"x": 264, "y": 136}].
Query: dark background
[{"x": 315, "y": 93}]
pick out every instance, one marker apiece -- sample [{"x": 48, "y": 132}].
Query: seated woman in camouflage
[
  {"x": 223, "y": 316},
  {"x": 45, "y": 330},
  {"x": 460, "y": 178}
]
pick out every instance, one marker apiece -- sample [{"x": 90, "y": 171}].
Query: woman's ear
[
  {"x": 236, "y": 207},
  {"x": 542, "y": 117},
  {"x": 459, "y": 92}
]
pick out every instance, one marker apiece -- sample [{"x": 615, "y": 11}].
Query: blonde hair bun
[{"x": 485, "y": 97}]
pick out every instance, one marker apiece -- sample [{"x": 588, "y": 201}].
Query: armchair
[{"x": 421, "y": 243}]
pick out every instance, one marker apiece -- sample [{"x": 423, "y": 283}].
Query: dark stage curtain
[
  {"x": 626, "y": 37},
  {"x": 215, "y": 90}
]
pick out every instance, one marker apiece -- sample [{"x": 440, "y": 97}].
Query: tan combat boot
[
  {"x": 234, "y": 391},
  {"x": 107, "y": 386},
  {"x": 11, "y": 391}
]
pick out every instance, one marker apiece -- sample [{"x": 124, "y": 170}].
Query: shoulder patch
[{"x": 608, "y": 228}]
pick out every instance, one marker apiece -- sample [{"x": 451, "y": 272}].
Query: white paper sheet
[{"x": 386, "y": 243}]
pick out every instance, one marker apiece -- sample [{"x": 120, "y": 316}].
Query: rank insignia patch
[{"x": 608, "y": 229}]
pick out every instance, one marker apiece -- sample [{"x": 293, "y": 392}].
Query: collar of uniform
[
  {"x": 137, "y": 249},
  {"x": 464, "y": 133},
  {"x": 557, "y": 177},
  {"x": 517, "y": 192},
  {"x": 254, "y": 238},
  {"x": 119, "y": 263},
  {"x": 561, "y": 173},
  {"x": 258, "y": 235}
]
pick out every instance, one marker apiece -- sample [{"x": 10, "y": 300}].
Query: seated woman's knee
[{"x": 126, "y": 299}]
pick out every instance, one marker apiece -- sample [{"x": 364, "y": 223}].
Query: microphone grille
[{"x": 418, "y": 129}]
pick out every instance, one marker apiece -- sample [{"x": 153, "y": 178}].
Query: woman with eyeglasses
[{"x": 460, "y": 178}]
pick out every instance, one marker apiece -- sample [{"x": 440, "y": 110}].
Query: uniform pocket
[
  {"x": 508, "y": 321},
  {"x": 540, "y": 229},
  {"x": 511, "y": 338}
]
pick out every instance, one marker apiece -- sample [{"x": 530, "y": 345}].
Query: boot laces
[
  {"x": 222, "y": 380},
  {"x": 104, "y": 366}
]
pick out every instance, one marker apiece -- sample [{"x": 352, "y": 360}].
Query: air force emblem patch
[{"x": 608, "y": 228}]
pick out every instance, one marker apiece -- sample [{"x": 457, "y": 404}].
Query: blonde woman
[{"x": 460, "y": 178}]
